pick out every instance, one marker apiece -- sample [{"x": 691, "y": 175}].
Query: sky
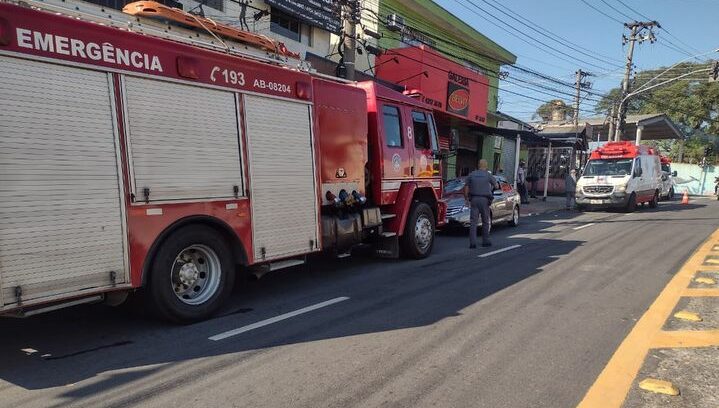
[{"x": 586, "y": 39}]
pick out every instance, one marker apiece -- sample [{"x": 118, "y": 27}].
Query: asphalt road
[{"x": 531, "y": 326}]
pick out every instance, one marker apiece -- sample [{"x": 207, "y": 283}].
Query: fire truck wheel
[
  {"x": 655, "y": 200},
  {"x": 631, "y": 204},
  {"x": 191, "y": 275},
  {"x": 418, "y": 237}
]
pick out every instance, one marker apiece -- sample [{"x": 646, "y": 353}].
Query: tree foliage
[
  {"x": 544, "y": 111},
  {"x": 691, "y": 102}
]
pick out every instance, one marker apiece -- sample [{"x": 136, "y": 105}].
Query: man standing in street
[
  {"x": 478, "y": 192},
  {"x": 570, "y": 187},
  {"x": 522, "y": 183}
]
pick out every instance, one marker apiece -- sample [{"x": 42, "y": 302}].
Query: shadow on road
[{"x": 77, "y": 344}]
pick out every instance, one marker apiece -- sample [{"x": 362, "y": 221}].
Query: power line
[
  {"x": 523, "y": 35},
  {"x": 618, "y": 11},
  {"x": 560, "y": 41},
  {"x": 601, "y": 12},
  {"x": 475, "y": 52},
  {"x": 663, "y": 28},
  {"x": 555, "y": 35}
]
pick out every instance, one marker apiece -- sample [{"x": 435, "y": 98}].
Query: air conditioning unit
[{"x": 395, "y": 22}]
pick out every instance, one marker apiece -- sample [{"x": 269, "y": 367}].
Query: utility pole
[
  {"x": 580, "y": 84},
  {"x": 612, "y": 123},
  {"x": 351, "y": 15},
  {"x": 639, "y": 31}
]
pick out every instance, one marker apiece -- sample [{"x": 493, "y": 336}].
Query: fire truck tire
[
  {"x": 655, "y": 200},
  {"x": 418, "y": 238},
  {"x": 191, "y": 275}
]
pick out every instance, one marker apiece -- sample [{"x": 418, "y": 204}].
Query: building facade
[{"x": 408, "y": 23}]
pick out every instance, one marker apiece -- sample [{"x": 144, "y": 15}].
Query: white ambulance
[{"x": 620, "y": 175}]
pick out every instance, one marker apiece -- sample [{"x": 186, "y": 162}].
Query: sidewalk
[{"x": 536, "y": 206}]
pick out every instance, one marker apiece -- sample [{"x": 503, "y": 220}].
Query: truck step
[
  {"x": 388, "y": 216},
  {"x": 389, "y": 234},
  {"x": 287, "y": 263}
]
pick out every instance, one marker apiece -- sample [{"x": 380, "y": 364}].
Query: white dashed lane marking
[
  {"x": 499, "y": 251},
  {"x": 276, "y": 319},
  {"x": 583, "y": 226}
]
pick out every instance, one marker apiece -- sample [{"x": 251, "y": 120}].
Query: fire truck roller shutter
[
  {"x": 282, "y": 177},
  {"x": 61, "y": 220},
  {"x": 184, "y": 141}
]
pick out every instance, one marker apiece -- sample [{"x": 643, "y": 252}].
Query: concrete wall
[{"x": 694, "y": 179}]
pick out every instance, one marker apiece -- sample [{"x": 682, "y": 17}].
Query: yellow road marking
[
  {"x": 611, "y": 387},
  {"x": 701, "y": 292},
  {"x": 686, "y": 338}
]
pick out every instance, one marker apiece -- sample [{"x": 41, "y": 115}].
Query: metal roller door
[
  {"x": 61, "y": 220},
  {"x": 509, "y": 148},
  {"x": 284, "y": 198},
  {"x": 184, "y": 141}
]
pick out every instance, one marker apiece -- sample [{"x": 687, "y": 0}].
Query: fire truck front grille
[{"x": 598, "y": 189}]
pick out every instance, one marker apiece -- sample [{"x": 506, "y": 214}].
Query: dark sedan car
[{"x": 504, "y": 208}]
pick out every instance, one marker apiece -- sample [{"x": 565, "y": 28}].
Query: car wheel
[
  {"x": 631, "y": 204},
  {"x": 514, "y": 221},
  {"x": 418, "y": 237},
  {"x": 191, "y": 275},
  {"x": 655, "y": 200}
]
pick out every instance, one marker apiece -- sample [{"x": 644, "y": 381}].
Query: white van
[{"x": 620, "y": 175}]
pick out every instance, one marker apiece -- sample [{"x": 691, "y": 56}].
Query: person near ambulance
[
  {"x": 522, "y": 182},
  {"x": 478, "y": 191},
  {"x": 570, "y": 188}
]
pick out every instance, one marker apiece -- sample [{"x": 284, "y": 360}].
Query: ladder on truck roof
[{"x": 151, "y": 27}]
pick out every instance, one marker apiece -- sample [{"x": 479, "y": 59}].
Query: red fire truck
[{"x": 132, "y": 162}]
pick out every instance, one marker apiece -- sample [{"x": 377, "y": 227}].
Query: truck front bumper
[{"x": 614, "y": 200}]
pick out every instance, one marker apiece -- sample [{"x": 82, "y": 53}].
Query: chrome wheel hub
[
  {"x": 196, "y": 274},
  {"x": 423, "y": 233}
]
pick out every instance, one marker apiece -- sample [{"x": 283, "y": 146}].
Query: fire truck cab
[{"x": 620, "y": 175}]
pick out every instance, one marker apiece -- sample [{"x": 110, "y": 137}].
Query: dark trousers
[
  {"x": 522, "y": 190},
  {"x": 479, "y": 206},
  {"x": 533, "y": 192}
]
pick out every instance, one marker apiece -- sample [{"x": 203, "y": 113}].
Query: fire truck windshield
[{"x": 609, "y": 167}]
